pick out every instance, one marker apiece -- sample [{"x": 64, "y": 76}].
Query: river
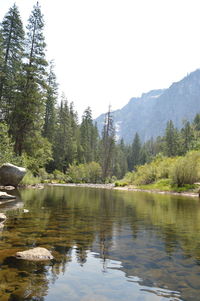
[{"x": 107, "y": 245}]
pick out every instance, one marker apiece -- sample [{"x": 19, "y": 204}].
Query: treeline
[
  {"x": 38, "y": 129},
  {"x": 173, "y": 143},
  {"x": 171, "y": 162}
]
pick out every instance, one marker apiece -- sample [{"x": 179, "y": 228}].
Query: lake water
[{"x": 107, "y": 245}]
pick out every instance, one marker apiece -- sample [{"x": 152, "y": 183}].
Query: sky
[{"x": 108, "y": 51}]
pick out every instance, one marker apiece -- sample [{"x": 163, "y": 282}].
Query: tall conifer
[
  {"x": 29, "y": 114},
  {"x": 50, "y": 102},
  {"x": 12, "y": 48},
  {"x": 107, "y": 145}
]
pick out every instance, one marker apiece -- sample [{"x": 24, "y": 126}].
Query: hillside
[{"x": 148, "y": 114}]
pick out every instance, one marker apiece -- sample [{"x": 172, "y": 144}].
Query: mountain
[{"x": 148, "y": 115}]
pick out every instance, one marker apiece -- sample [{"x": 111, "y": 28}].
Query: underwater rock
[
  {"x": 7, "y": 187},
  {"x": 4, "y": 195},
  {"x": 35, "y": 254},
  {"x": 2, "y": 217}
]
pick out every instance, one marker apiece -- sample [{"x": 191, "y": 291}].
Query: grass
[{"x": 162, "y": 185}]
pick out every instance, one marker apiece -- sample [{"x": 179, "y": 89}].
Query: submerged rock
[
  {"x": 2, "y": 217},
  {"x": 11, "y": 175},
  {"x": 4, "y": 195},
  {"x": 7, "y": 187},
  {"x": 35, "y": 254}
]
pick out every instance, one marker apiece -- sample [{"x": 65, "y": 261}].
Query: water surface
[{"x": 108, "y": 245}]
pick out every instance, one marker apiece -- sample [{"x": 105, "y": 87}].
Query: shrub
[
  {"x": 85, "y": 173},
  {"x": 186, "y": 169},
  {"x": 146, "y": 174},
  {"x": 59, "y": 176},
  {"x": 29, "y": 179},
  {"x": 128, "y": 178}
]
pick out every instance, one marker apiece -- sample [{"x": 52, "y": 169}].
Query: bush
[
  {"x": 120, "y": 184},
  {"x": 29, "y": 179},
  {"x": 146, "y": 174},
  {"x": 128, "y": 178},
  {"x": 186, "y": 169},
  {"x": 85, "y": 173},
  {"x": 159, "y": 168},
  {"x": 60, "y": 177}
]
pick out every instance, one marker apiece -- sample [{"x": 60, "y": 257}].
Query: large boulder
[
  {"x": 35, "y": 254},
  {"x": 11, "y": 174}
]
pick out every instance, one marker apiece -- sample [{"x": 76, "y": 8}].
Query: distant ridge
[{"x": 148, "y": 114}]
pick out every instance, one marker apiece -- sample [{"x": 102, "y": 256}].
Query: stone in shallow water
[
  {"x": 35, "y": 254},
  {"x": 2, "y": 217},
  {"x": 4, "y": 195}
]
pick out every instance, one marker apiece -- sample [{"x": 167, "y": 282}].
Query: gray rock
[
  {"x": 35, "y": 254},
  {"x": 4, "y": 195},
  {"x": 2, "y": 217},
  {"x": 7, "y": 187},
  {"x": 11, "y": 174}
]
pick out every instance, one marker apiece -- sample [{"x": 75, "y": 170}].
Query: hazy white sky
[{"x": 107, "y": 51}]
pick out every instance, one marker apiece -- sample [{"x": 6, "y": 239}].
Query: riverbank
[{"x": 128, "y": 188}]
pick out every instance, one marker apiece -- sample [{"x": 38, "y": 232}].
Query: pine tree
[
  {"x": 51, "y": 98},
  {"x": 88, "y": 137},
  {"x": 95, "y": 143},
  {"x": 1, "y": 58},
  {"x": 196, "y": 122},
  {"x": 107, "y": 145},
  {"x": 11, "y": 65},
  {"x": 135, "y": 155},
  {"x": 187, "y": 137},
  {"x": 120, "y": 160},
  {"x": 171, "y": 140},
  {"x": 29, "y": 114},
  {"x": 66, "y": 136},
  {"x": 61, "y": 135}
]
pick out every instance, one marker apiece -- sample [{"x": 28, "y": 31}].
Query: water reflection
[{"x": 108, "y": 245}]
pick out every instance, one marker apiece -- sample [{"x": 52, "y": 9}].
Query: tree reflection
[{"x": 144, "y": 232}]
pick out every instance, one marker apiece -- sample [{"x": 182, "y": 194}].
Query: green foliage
[
  {"x": 160, "y": 168},
  {"x": 65, "y": 146},
  {"x": 6, "y": 146},
  {"x": 39, "y": 153},
  {"x": 160, "y": 185},
  {"x": 186, "y": 169},
  {"x": 146, "y": 174},
  {"x": 30, "y": 179},
  {"x": 107, "y": 146},
  {"x": 128, "y": 179},
  {"x": 135, "y": 157},
  {"x": 60, "y": 176},
  {"x": 171, "y": 140},
  {"x": 50, "y": 102},
  {"x": 167, "y": 174},
  {"x": 42, "y": 137},
  {"x": 12, "y": 53},
  {"x": 85, "y": 173},
  {"x": 28, "y": 116},
  {"x": 88, "y": 137}
]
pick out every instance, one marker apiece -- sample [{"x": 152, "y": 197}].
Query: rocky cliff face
[{"x": 148, "y": 115}]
